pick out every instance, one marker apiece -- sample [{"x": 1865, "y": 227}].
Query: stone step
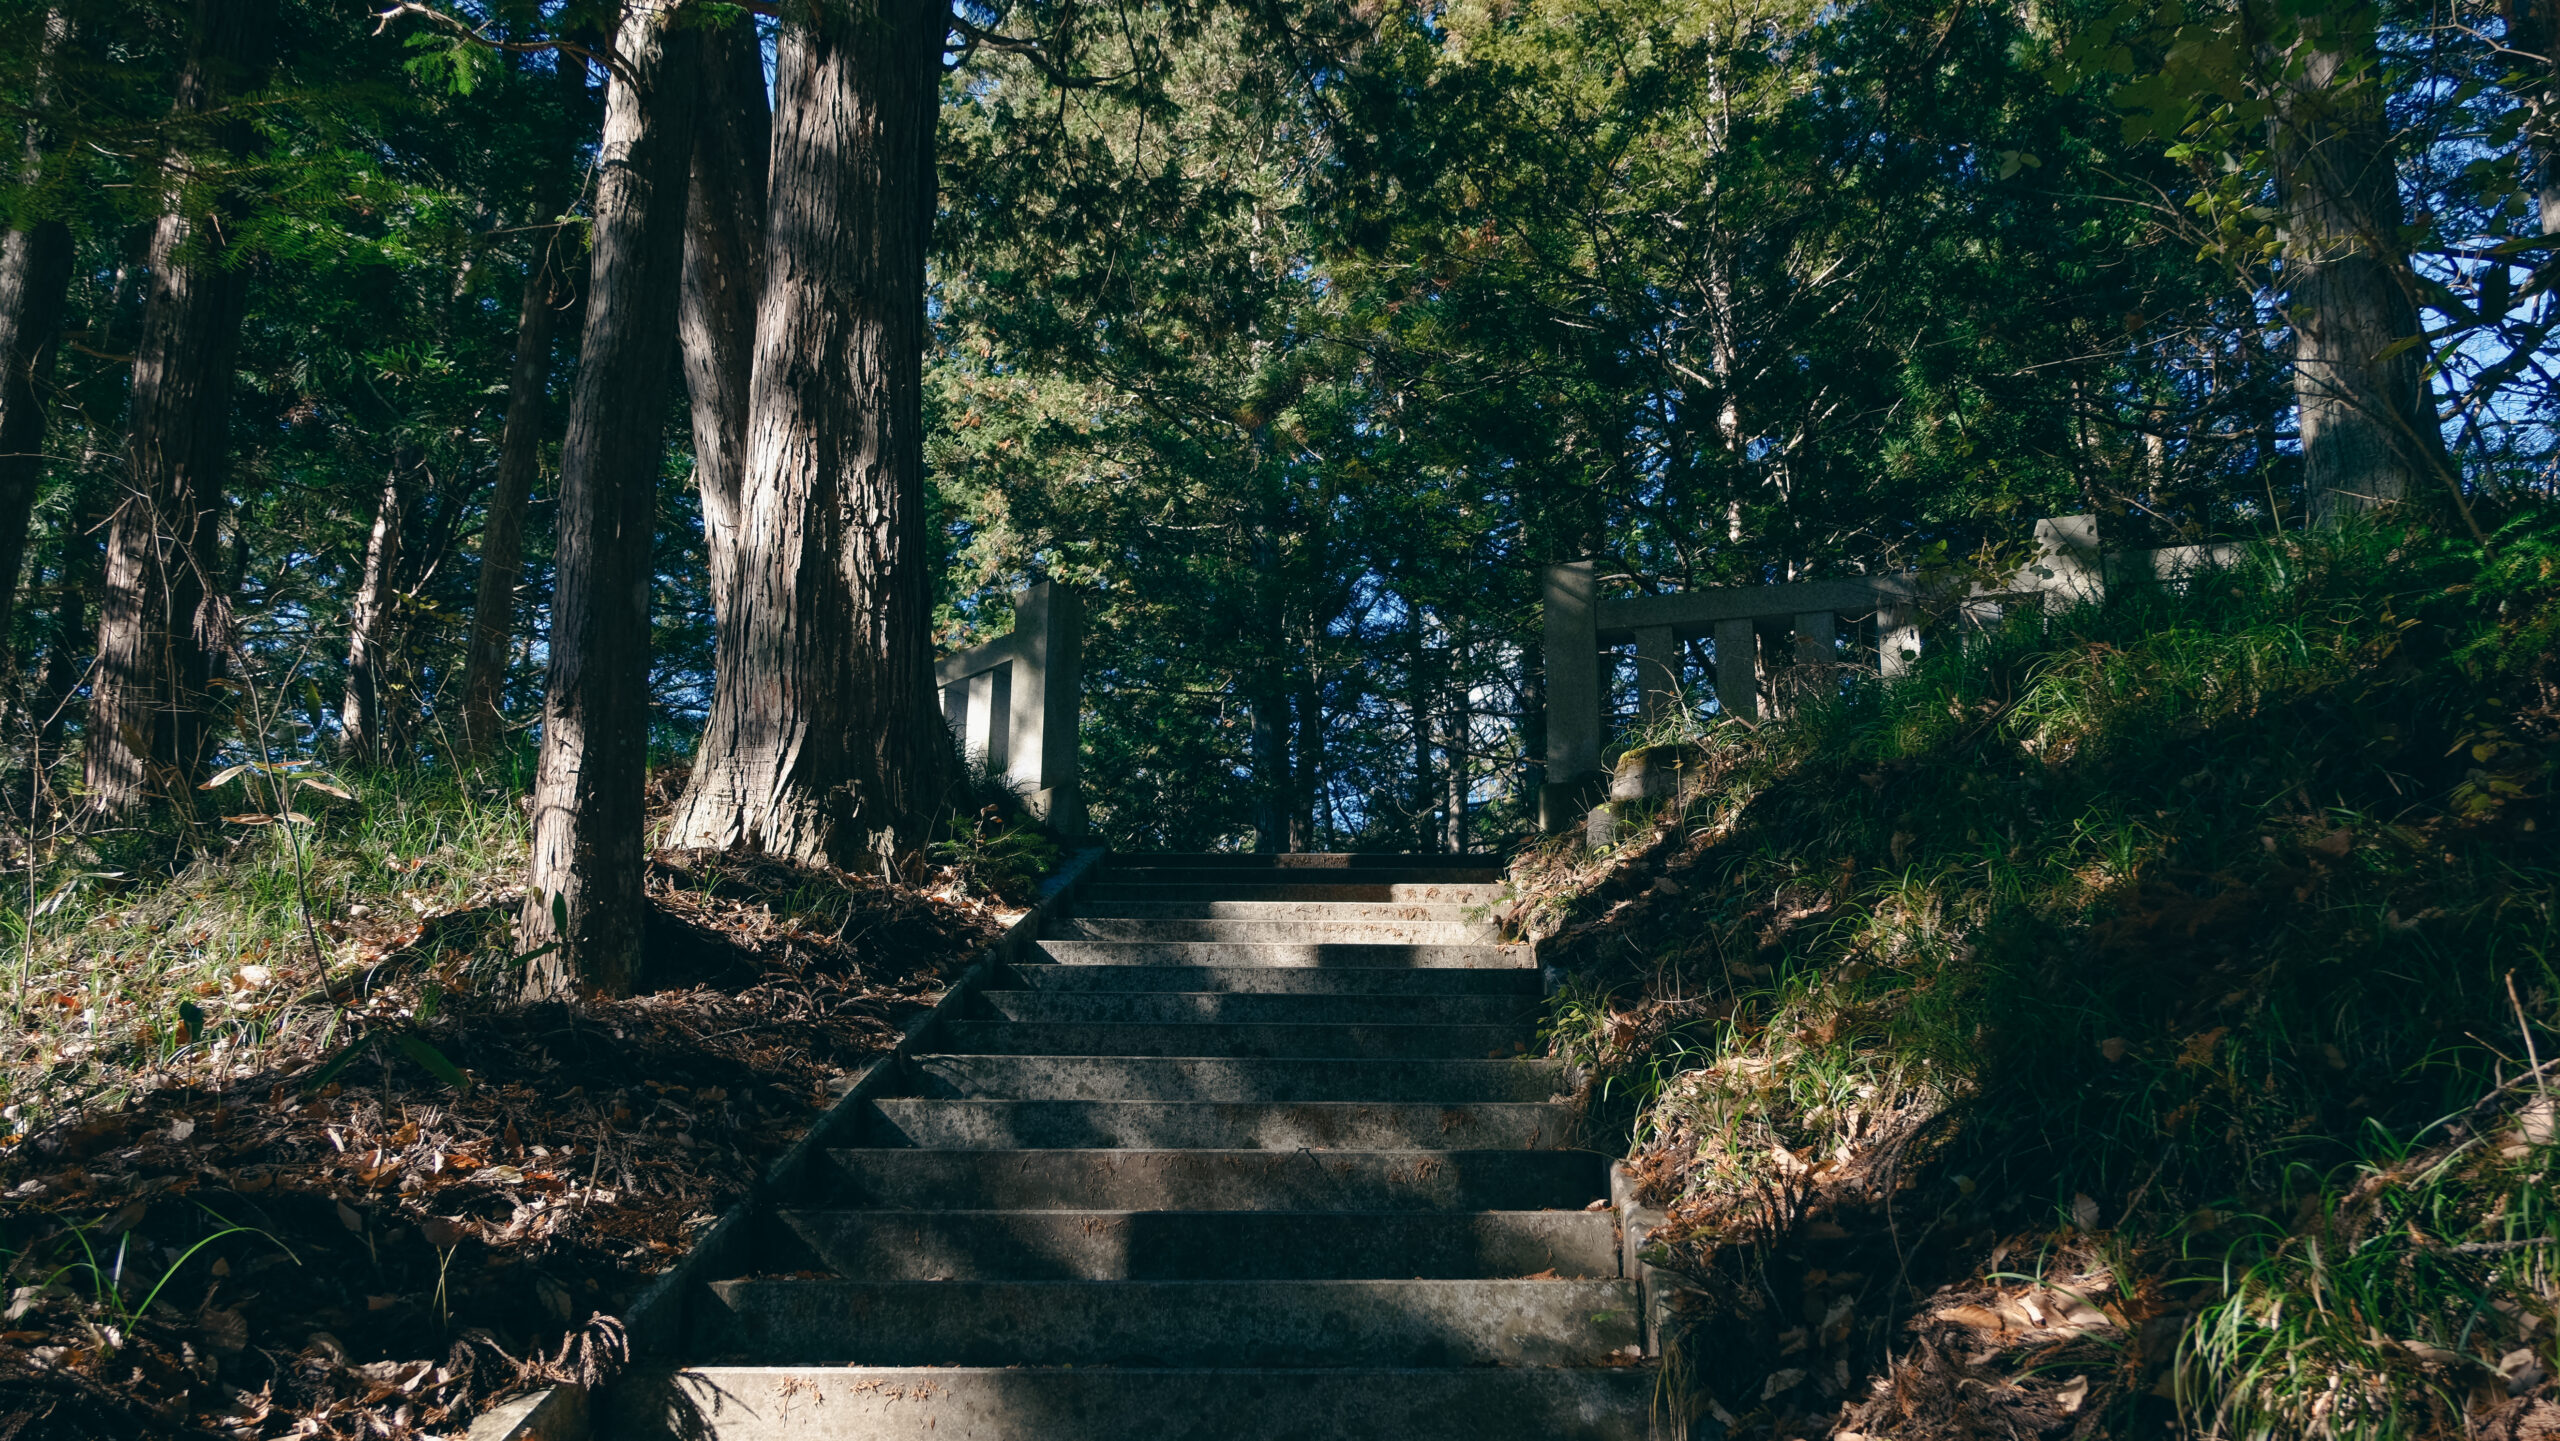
[
  {"x": 1309, "y": 980},
  {"x": 1192, "y": 1078},
  {"x": 1192, "y": 1245},
  {"x": 1115, "y": 893},
  {"x": 1173, "y": 1007},
  {"x": 1344, "y": 955},
  {"x": 1231, "y": 1126},
  {"x": 1245, "y": 1039},
  {"x": 1015, "y": 1403},
  {"x": 1399, "y": 933},
  {"x": 1161, "y": 1323},
  {"x": 1207, "y": 1180},
  {"x": 1326, "y": 861},
  {"x": 1325, "y": 912}
]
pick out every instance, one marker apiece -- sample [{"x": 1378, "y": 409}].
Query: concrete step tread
[
  {"x": 1236, "y": 955},
  {"x": 1204, "y": 1323},
  {"x": 1173, "y": 1245},
  {"x": 1219, "y": 1007},
  {"x": 1274, "y": 1039},
  {"x": 1206, "y": 1179},
  {"x": 1105, "y": 973},
  {"x": 1180, "y": 886},
  {"x": 1227, "y": 1125},
  {"x": 1329, "y": 912},
  {"x": 1237, "y": 1078},
  {"x": 1299, "y": 861},
  {"x": 1275, "y": 932},
  {"x": 1113, "y": 1403}
]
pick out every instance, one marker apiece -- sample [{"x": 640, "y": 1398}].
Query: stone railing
[
  {"x": 1015, "y": 704},
  {"x": 1772, "y": 642}
]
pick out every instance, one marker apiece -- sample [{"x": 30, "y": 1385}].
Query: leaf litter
[{"x": 375, "y": 1193}]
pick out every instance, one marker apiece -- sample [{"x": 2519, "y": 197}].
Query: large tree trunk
[
  {"x": 2369, "y": 430},
  {"x": 35, "y": 273},
  {"x": 493, "y": 605},
  {"x": 587, "y": 817},
  {"x": 723, "y": 260},
  {"x": 163, "y": 618},
  {"x": 826, "y": 737},
  {"x": 360, "y": 716}
]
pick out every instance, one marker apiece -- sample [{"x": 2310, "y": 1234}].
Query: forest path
[{"x": 1249, "y": 1149}]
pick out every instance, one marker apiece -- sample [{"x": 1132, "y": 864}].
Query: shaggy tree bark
[
  {"x": 2369, "y": 430},
  {"x": 35, "y": 274},
  {"x": 587, "y": 818},
  {"x": 162, "y": 620},
  {"x": 493, "y": 605},
  {"x": 723, "y": 256},
  {"x": 360, "y": 717},
  {"x": 826, "y": 737}
]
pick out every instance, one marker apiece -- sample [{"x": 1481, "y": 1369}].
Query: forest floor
[
  {"x": 2137, "y": 1022},
  {"x": 284, "y": 1155}
]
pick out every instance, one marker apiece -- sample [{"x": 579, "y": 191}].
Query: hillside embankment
[
  {"x": 2137, "y": 1019},
  {"x": 285, "y": 1153}
]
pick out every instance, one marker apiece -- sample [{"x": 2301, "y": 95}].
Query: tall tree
[
  {"x": 825, "y": 732},
  {"x": 584, "y": 879},
  {"x": 361, "y": 724},
  {"x": 35, "y": 273},
  {"x": 546, "y": 295},
  {"x": 164, "y": 619},
  {"x": 723, "y": 258},
  {"x": 2370, "y": 435}
]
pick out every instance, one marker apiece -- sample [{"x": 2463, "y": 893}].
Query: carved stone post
[
  {"x": 1015, "y": 704},
  {"x": 1658, "y": 672},
  {"x": 1574, "y": 778},
  {"x": 1738, "y": 668}
]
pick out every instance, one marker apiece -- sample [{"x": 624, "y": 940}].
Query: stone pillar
[
  {"x": 1738, "y": 669},
  {"x": 1897, "y": 637},
  {"x": 987, "y": 721},
  {"x": 1817, "y": 639},
  {"x": 1658, "y": 672},
  {"x": 1046, "y": 705},
  {"x": 1574, "y": 779},
  {"x": 2067, "y": 567},
  {"x": 1814, "y": 671}
]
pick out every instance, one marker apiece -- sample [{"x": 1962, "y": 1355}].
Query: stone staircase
[{"x": 1249, "y": 1149}]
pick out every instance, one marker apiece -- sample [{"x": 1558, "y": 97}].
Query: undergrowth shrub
[{"x": 2216, "y": 922}]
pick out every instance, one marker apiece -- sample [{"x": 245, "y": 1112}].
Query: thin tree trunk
[
  {"x": 35, "y": 274},
  {"x": 1310, "y": 752},
  {"x": 723, "y": 254},
  {"x": 1418, "y": 698},
  {"x": 587, "y": 819},
  {"x": 1267, "y": 693},
  {"x": 360, "y": 717},
  {"x": 1453, "y": 745},
  {"x": 826, "y": 737},
  {"x": 2369, "y": 430},
  {"x": 75, "y": 580},
  {"x": 162, "y": 621},
  {"x": 547, "y": 289},
  {"x": 493, "y": 605}
]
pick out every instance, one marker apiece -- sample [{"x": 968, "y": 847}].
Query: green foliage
[{"x": 2232, "y": 910}]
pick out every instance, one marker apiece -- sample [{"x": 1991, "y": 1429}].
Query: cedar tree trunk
[
  {"x": 587, "y": 818},
  {"x": 826, "y": 736},
  {"x": 723, "y": 255},
  {"x": 2369, "y": 429},
  {"x": 163, "y": 619}
]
